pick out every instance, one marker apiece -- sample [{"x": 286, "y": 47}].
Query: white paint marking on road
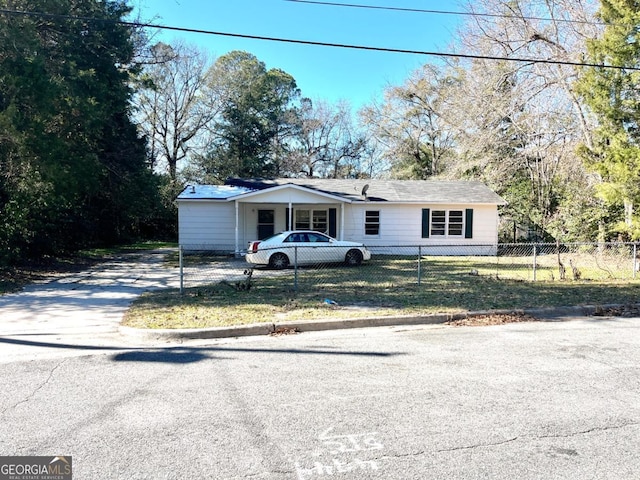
[{"x": 344, "y": 446}]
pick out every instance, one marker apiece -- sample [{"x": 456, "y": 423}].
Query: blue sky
[{"x": 321, "y": 72}]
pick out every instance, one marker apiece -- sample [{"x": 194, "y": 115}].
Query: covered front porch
[{"x": 260, "y": 214}]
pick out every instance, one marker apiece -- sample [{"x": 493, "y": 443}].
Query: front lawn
[{"x": 381, "y": 288}]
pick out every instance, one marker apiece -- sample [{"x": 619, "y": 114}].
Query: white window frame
[
  {"x": 446, "y": 225},
  {"x": 312, "y": 216},
  {"x": 366, "y": 223}
]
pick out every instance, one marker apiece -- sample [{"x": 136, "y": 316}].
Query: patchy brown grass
[{"x": 492, "y": 319}]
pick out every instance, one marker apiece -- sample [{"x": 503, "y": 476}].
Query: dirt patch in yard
[
  {"x": 492, "y": 319},
  {"x": 13, "y": 279}
]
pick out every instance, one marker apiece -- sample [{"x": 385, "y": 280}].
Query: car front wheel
[
  {"x": 278, "y": 261},
  {"x": 353, "y": 258}
]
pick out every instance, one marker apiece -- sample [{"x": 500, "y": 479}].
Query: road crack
[
  {"x": 590, "y": 430},
  {"x": 537, "y": 437},
  {"x": 36, "y": 390},
  {"x": 400, "y": 455},
  {"x": 479, "y": 445}
]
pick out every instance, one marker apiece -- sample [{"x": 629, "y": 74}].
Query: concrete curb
[
  {"x": 197, "y": 333},
  {"x": 545, "y": 314}
]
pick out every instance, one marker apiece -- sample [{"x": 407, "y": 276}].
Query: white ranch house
[{"x": 386, "y": 215}]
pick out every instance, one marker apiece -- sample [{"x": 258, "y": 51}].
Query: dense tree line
[
  {"x": 100, "y": 129},
  {"x": 72, "y": 165}
]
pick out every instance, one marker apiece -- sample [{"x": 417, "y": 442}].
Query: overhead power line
[
  {"x": 317, "y": 44},
  {"x": 443, "y": 12}
]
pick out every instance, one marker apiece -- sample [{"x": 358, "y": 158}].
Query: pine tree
[
  {"x": 613, "y": 95},
  {"x": 72, "y": 167}
]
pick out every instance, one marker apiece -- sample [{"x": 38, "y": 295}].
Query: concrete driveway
[{"x": 83, "y": 308}]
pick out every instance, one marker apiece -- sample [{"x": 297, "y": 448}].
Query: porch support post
[
  {"x": 237, "y": 227},
  {"x": 291, "y": 216},
  {"x": 341, "y": 221}
]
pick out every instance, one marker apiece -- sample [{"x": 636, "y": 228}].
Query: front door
[{"x": 266, "y": 223}]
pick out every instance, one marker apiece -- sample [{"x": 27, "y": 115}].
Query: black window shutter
[
  {"x": 286, "y": 221},
  {"x": 333, "y": 224},
  {"x": 425, "y": 222},
  {"x": 468, "y": 223}
]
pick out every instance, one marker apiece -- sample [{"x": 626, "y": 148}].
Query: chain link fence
[{"x": 396, "y": 266}]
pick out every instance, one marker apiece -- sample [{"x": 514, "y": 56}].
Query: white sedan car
[{"x": 305, "y": 247}]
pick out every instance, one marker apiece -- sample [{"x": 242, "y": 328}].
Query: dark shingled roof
[{"x": 409, "y": 191}]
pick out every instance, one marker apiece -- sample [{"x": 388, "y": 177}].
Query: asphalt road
[{"x": 528, "y": 401}]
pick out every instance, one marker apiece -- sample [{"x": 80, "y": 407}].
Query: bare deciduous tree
[
  {"x": 327, "y": 144},
  {"x": 520, "y": 123},
  {"x": 410, "y": 124},
  {"x": 173, "y": 109}
]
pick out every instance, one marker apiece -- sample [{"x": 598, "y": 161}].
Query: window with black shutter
[{"x": 447, "y": 223}]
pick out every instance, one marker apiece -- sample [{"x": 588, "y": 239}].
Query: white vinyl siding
[
  {"x": 401, "y": 226},
  {"x": 207, "y": 225},
  {"x": 212, "y": 224}
]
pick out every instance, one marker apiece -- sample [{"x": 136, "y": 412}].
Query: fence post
[
  {"x": 535, "y": 262},
  {"x": 419, "y": 265},
  {"x": 635, "y": 259},
  {"x": 181, "y": 270},
  {"x": 295, "y": 269}
]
